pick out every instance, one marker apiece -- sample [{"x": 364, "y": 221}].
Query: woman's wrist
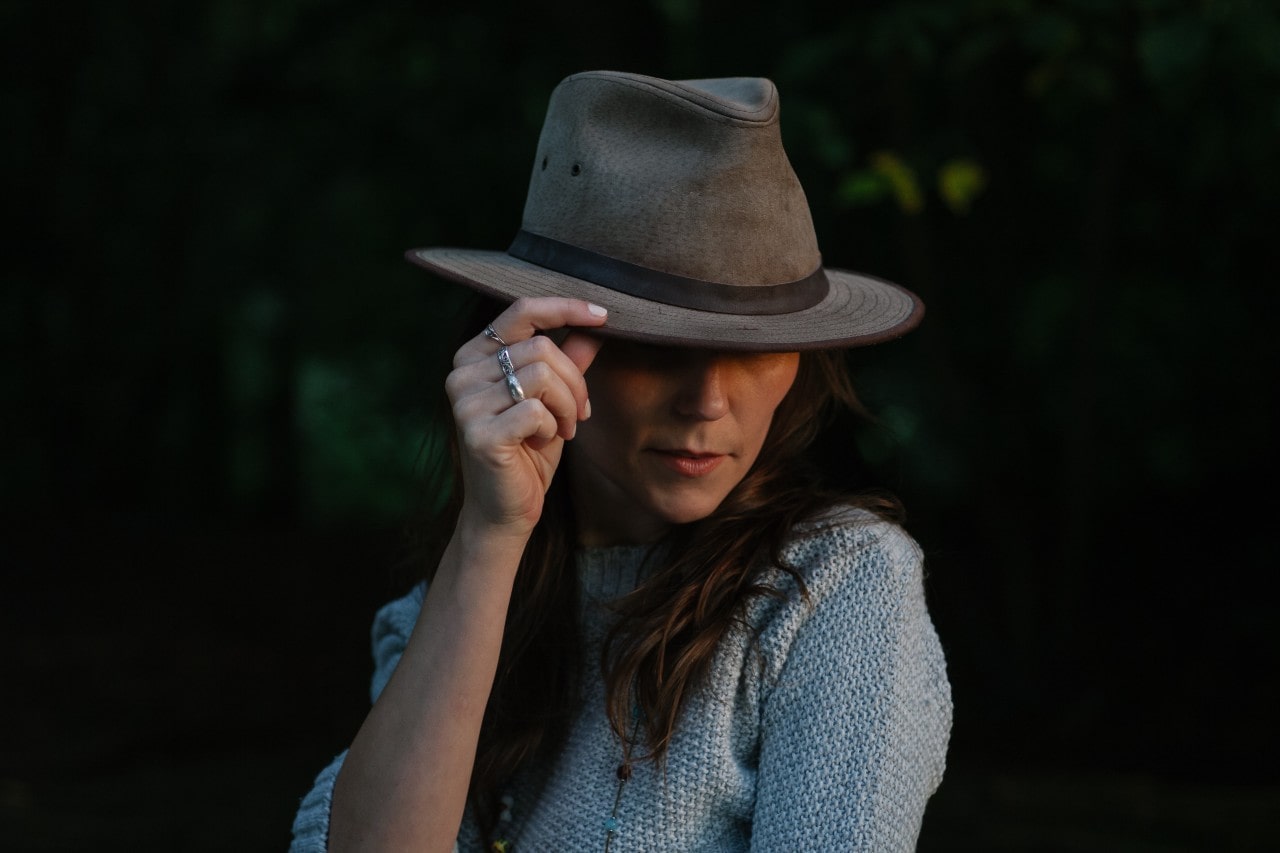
[
  {"x": 475, "y": 532},
  {"x": 482, "y": 552}
]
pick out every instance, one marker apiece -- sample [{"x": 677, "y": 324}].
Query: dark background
[{"x": 220, "y": 373}]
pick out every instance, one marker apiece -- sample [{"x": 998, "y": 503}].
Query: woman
[{"x": 680, "y": 642}]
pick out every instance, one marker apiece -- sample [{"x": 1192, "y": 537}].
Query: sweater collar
[{"x": 607, "y": 573}]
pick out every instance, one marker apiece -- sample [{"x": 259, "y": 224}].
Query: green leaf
[
  {"x": 960, "y": 181},
  {"x": 862, "y": 188},
  {"x": 902, "y": 180}
]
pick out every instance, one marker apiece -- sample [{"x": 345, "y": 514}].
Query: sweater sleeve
[
  {"x": 856, "y": 722},
  {"x": 390, "y": 634}
]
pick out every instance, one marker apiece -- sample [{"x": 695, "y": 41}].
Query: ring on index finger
[
  {"x": 494, "y": 336},
  {"x": 509, "y": 373}
]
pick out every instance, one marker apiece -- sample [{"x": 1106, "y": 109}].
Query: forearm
[{"x": 404, "y": 782}]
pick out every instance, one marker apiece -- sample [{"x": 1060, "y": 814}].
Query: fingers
[
  {"x": 524, "y": 317},
  {"x": 543, "y": 384},
  {"x": 546, "y": 375},
  {"x": 550, "y": 376},
  {"x": 545, "y": 371},
  {"x": 581, "y": 349},
  {"x": 530, "y": 422}
]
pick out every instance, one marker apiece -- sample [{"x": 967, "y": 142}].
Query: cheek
[
  {"x": 617, "y": 417},
  {"x": 772, "y": 386},
  {"x": 603, "y": 437},
  {"x": 621, "y": 398}
]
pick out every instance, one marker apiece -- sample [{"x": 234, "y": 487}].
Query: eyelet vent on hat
[
  {"x": 544, "y": 163},
  {"x": 576, "y": 170}
]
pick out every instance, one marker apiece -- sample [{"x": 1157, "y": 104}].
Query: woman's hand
[{"x": 510, "y": 449}]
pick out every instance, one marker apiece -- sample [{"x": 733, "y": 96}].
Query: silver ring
[
  {"x": 509, "y": 373},
  {"x": 494, "y": 336}
]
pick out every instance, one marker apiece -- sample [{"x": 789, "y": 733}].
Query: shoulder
[
  {"x": 848, "y": 548},
  {"x": 858, "y": 584}
]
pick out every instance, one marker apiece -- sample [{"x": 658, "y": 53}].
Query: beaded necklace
[
  {"x": 624, "y": 776},
  {"x": 503, "y": 844}
]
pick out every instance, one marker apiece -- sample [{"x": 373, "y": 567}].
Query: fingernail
[
  {"x": 596, "y": 309},
  {"x": 586, "y": 410}
]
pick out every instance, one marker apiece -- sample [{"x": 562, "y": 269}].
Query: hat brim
[{"x": 858, "y": 310}]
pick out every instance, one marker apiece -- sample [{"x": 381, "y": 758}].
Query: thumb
[{"x": 581, "y": 349}]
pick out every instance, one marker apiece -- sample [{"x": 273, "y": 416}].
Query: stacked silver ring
[
  {"x": 509, "y": 372},
  {"x": 494, "y": 336},
  {"x": 504, "y": 361}
]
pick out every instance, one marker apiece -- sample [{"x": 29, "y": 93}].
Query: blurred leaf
[
  {"x": 902, "y": 180},
  {"x": 863, "y": 187},
  {"x": 1174, "y": 49},
  {"x": 960, "y": 181}
]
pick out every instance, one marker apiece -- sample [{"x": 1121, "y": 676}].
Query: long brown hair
[{"x": 668, "y": 628}]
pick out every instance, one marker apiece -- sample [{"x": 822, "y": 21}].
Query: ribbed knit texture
[{"x": 824, "y": 726}]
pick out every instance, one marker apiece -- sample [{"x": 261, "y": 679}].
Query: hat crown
[{"x": 688, "y": 178}]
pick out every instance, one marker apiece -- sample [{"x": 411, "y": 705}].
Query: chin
[{"x": 687, "y": 512}]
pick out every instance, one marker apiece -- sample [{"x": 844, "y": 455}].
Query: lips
[{"x": 689, "y": 463}]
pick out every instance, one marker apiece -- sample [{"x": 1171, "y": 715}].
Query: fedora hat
[{"x": 672, "y": 204}]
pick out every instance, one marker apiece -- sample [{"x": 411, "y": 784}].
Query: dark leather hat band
[{"x": 664, "y": 287}]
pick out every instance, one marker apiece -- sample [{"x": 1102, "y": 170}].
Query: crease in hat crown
[{"x": 673, "y": 204}]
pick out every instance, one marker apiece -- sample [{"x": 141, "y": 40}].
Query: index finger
[
  {"x": 542, "y": 313},
  {"x": 528, "y": 315}
]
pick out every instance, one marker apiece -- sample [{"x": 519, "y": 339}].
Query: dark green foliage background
[{"x": 221, "y": 379}]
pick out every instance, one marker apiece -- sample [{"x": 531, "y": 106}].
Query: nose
[{"x": 702, "y": 394}]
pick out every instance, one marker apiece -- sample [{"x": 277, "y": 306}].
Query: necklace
[
  {"x": 503, "y": 844},
  {"x": 624, "y": 775}
]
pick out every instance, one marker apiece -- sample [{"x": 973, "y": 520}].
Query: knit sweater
[{"x": 823, "y": 723}]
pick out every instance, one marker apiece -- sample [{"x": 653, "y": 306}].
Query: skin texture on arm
[{"x": 404, "y": 782}]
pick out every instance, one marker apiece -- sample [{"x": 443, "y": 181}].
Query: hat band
[{"x": 669, "y": 289}]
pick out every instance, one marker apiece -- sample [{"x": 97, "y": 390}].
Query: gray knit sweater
[{"x": 823, "y": 726}]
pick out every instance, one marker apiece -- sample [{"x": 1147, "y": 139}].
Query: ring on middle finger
[{"x": 509, "y": 373}]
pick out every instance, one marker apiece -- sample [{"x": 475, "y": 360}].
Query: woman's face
[{"x": 672, "y": 431}]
